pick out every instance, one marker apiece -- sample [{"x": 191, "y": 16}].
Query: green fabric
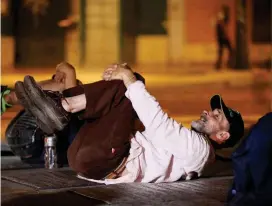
[{"x": 4, "y": 104}]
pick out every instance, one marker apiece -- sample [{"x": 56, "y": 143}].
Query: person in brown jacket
[{"x": 103, "y": 142}]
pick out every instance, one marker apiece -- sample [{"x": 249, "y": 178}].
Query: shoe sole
[
  {"x": 45, "y": 104},
  {"x": 25, "y": 101}
]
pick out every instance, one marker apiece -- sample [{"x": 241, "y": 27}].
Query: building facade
[{"x": 136, "y": 31}]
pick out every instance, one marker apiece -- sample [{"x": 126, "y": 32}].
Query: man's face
[{"x": 211, "y": 123}]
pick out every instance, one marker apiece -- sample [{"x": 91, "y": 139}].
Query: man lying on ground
[{"x": 164, "y": 152}]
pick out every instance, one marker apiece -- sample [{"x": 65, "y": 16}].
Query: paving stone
[
  {"x": 10, "y": 190},
  {"x": 45, "y": 199},
  {"x": 211, "y": 191},
  {"x": 44, "y": 179}
]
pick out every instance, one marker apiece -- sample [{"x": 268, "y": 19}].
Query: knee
[{"x": 86, "y": 159}]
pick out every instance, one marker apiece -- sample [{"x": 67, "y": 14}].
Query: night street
[
  {"x": 184, "y": 101},
  {"x": 188, "y": 51}
]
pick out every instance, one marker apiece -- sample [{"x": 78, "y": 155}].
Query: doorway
[
  {"x": 143, "y": 32},
  {"x": 39, "y": 41}
]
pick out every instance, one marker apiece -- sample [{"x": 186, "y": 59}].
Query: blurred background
[
  {"x": 187, "y": 50},
  {"x": 90, "y": 33}
]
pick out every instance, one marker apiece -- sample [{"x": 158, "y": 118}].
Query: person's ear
[{"x": 222, "y": 136}]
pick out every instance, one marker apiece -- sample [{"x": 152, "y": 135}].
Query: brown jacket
[{"x": 103, "y": 141}]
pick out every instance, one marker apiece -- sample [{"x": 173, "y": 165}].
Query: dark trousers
[
  {"x": 104, "y": 139},
  {"x": 252, "y": 165},
  {"x": 223, "y": 43}
]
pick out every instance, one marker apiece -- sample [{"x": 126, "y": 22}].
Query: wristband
[{"x": 4, "y": 104}]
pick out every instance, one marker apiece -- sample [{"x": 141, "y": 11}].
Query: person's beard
[
  {"x": 201, "y": 125},
  {"x": 198, "y": 125}
]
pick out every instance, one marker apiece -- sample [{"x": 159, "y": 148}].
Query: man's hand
[
  {"x": 121, "y": 72},
  {"x": 113, "y": 71}
]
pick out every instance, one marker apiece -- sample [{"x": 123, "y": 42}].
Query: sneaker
[
  {"x": 42, "y": 121},
  {"x": 47, "y": 102}
]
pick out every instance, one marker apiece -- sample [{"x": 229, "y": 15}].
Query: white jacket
[{"x": 165, "y": 151}]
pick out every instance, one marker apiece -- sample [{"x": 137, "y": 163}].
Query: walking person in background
[{"x": 222, "y": 36}]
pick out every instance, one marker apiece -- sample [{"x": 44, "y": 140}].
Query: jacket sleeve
[
  {"x": 148, "y": 109},
  {"x": 260, "y": 155},
  {"x": 165, "y": 132}
]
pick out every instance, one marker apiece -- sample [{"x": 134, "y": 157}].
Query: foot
[
  {"x": 42, "y": 121},
  {"x": 49, "y": 103}
]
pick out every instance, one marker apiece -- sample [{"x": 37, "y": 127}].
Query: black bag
[{"x": 24, "y": 137}]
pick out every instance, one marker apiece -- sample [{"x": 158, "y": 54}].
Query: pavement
[
  {"x": 183, "y": 95},
  {"x": 204, "y": 191}
]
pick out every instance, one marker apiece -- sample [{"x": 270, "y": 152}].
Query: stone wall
[
  {"x": 102, "y": 32},
  {"x": 191, "y": 33}
]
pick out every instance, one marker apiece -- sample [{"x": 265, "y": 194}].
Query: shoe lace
[{"x": 58, "y": 95}]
